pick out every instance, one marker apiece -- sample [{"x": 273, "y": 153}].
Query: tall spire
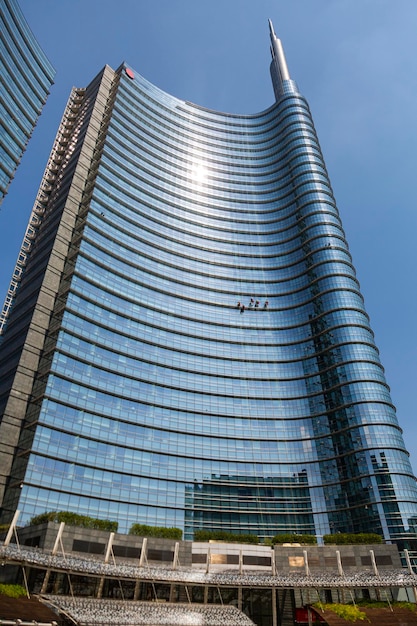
[
  {"x": 279, "y": 68},
  {"x": 278, "y": 56}
]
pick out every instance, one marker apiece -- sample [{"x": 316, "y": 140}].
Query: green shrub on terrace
[
  {"x": 294, "y": 538},
  {"x": 348, "y": 612},
  {"x": 73, "y": 519},
  {"x": 222, "y": 535},
  {"x": 13, "y": 591},
  {"x": 410, "y": 606},
  {"x": 155, "y": 531},
  {"x": 380, "y": 604},
  {"x": 352, "y": 538}
]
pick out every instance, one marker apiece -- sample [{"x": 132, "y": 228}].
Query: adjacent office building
[
  {"x": 26, "y": 76},
  {"x": 186, "y": 343}
]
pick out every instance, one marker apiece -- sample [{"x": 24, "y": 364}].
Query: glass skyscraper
[
  {"x": 26, "y": 77},
  {"x": 187, "y": 344}
]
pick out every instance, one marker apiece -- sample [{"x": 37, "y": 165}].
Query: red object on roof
[{"x": 129, "y": 72}]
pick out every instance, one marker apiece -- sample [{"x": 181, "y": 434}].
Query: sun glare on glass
[{"x": 198, "y": 173}]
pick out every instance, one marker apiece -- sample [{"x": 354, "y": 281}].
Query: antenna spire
[{"x": 278, "y": 56}]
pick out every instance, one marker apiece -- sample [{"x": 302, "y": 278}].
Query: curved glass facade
[
  {"x": 209, "y": 363},
  {"x": 26, "y": 77}
]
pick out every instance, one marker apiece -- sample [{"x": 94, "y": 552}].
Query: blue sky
[{"x": 354, "y": 60}]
